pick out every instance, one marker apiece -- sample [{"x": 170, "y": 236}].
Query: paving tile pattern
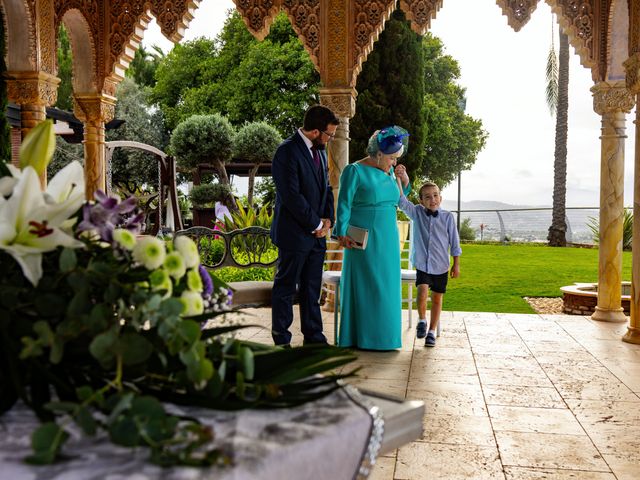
[{"x": 509, "y": 396}]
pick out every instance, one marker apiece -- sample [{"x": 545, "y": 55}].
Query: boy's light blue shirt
[{"x": 432, "y": 238}]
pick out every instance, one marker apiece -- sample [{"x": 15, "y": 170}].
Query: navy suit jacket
[{"x": 303, "y": 195}]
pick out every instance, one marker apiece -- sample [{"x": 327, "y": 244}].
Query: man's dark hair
[{"x": 318, "y": 117}]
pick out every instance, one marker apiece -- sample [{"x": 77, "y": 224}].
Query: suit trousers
[{"x": 301, "y": 271}]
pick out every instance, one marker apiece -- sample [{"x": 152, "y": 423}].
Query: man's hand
[{"x": 324, "y": 231}]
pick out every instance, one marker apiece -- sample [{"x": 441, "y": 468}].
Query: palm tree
[{"x": 558, "y": 101}]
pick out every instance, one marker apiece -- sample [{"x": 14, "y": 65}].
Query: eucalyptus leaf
[
  {"x": 85, "y": 421},
  {"x": 134, "y": 348},
  {"x": 68, "y": 260},
  {"x": 46, "y": 442}
]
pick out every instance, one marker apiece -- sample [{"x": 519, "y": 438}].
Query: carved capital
[
  {"x": 94, "y": 108},
  {"x": 341, "y": 100},
  {"x": 632, "y": 66},
  {"x": 32, "y": 88},
  {"x": 612, "y": 97},
  {"x": 518, "y": 12}
]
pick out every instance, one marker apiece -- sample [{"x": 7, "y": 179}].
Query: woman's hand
[
  {"x": 346, "y": 241},
  {"x": 401, "y": 173}
]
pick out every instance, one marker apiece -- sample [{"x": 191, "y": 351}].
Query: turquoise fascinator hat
[{"x": 392, "y": 139}]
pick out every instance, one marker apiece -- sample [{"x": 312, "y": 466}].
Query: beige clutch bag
[{"x": 359, "y": 235}]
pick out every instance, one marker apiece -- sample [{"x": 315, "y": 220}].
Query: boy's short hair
[
  {"x": 425, "y": 186},
  {"x": 319, "y": 117}
]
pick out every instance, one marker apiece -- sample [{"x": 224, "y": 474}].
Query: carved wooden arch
[
  {"x": 127, "y": 26},
  {"x": 84, "y": 52},
  {"x": 617, "y": 50},
  {"x": 21, "y": 53},
  {"x": 577, "y": 19}
]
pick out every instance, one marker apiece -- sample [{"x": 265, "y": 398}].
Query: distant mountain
[{"x": 452, "y": 205}]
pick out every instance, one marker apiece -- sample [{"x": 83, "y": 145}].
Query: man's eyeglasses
[{"x": 330, "y": 135}]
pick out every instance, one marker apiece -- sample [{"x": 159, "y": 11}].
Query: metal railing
[{"x": 528, "y": 224}]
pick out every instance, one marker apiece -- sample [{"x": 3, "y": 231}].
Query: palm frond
[{"x": 552, "y": 80}]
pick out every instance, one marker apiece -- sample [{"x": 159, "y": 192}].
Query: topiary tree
[
  {"x": 204, "y": 140},
  {"x": 255, "y": 142},
  {"x": 207, "y": 194}
]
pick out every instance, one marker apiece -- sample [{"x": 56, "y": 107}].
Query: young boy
[{"x": 434, "y": 237}]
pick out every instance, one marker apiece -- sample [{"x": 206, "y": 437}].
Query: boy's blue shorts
[{"x": 437, "y": 283}]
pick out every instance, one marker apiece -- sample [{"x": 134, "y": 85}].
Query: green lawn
[{"x": 494, "y": 278}]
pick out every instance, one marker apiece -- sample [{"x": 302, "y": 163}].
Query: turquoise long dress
[{"x": 370, "y": 288}]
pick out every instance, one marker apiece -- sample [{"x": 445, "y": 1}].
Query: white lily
[
  {"x": 7, "y": 183},
  {"x": 30, "y": 226}
]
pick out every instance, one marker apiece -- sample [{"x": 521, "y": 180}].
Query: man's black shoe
[{"x": 308, "y": 342}]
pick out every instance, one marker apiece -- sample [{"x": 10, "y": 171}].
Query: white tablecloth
[{"x": 326, "y": 439}]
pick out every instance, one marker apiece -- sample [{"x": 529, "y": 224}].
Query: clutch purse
[{"x": 359, "y": 235}]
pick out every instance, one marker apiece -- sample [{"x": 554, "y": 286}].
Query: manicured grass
[{"x": 494, "y": 278}]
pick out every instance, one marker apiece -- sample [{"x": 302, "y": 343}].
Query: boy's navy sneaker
[
  {"x": 421, "y": 329},
  {"x": 430, "y": 341}
]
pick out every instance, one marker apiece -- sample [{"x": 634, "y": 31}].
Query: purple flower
[
  {"x": 207, "y": 282},
  {"x": 109, "y": 213}
]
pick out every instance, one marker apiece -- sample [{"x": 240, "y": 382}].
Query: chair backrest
[{"x": 244, "y": 248}]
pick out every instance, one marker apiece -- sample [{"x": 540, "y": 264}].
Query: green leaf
[
  {"x": 85, "y": 421},
  {"x": 80, "y": 303},
  {"x": 134, "y": 348},
  {"x": 46, "y": 442},
  {"x": 171, "y": 307},
  {"x": 103, "y": 347},
  {"x": 68, "y": 260},
  {"x": 247, "y": 362},
  {"x": 84, "y": 393},
  {"x": 124, "y": 431},
  {"x": 189, "y": 331},
  {"x": 147, "y": 406},
  {"x": 57, "y": 351}
]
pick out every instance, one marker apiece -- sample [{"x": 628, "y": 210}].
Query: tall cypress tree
[
  {"x": 391, "y": 91},
  {"x": 5, "y": 131}
]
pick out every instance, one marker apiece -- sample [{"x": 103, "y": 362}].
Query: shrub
[
  {"x": 256, "y": 142},
  {"x": 466, "y": 232},
  {"x": 627, "y": 229},
  {"x": 202, "y": 139},
  {"x": 248, "y": 217},
  {"x": 208, "y": 194}
]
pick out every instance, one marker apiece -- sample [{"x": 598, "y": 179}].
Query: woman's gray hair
[{"x": 372, "y": 145}]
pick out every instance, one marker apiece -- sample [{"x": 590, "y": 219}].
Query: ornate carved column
[
  {"x": 343, "y": 103},
  {"x": 94, "y": 110},
  {"x": 34, "y": 92},
  {"x": 612, "y": 101},
  {"x": 633, "y": 83}
]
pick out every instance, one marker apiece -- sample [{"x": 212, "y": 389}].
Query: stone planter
[{"x": 582, "y": 298}]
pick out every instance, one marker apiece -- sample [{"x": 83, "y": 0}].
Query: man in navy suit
[{"x": 303, "y": 215}]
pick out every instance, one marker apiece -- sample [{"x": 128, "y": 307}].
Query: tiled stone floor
[{"x": 509, "y": 396}]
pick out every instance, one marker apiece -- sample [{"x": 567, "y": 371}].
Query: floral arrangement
[{"x": 99, "y": 326}]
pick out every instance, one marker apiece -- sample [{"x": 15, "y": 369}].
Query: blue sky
[{"x": 503, "y": 72}]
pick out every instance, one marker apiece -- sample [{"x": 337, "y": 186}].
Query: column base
[
  {"x": 632, "y": 336},
  {"x": 607, "y": 315}
]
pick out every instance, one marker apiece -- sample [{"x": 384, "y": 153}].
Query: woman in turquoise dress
[{"x": 370, "y": 287}]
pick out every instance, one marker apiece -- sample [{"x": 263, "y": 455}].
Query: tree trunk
[
  {"x": 224, "y": 179},
  {"x": 558, "y": 229},
  {"x": 252, "y": 179}
]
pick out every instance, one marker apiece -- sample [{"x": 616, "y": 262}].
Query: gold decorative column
[
  {"x": 633, "y": 83},
  {"x": 34, "y": 92},
  {"x": 612, "y": 101},
  {"x": 343, "y": 103},
  {"x": 94, "y": 110}
]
